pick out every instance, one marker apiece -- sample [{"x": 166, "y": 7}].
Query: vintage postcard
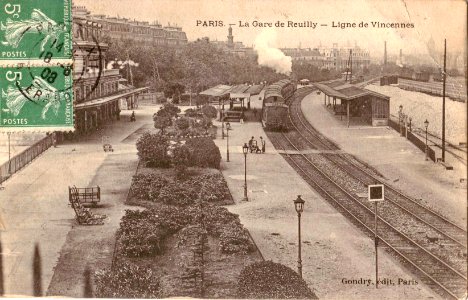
[{"x": 259, "y": 149}]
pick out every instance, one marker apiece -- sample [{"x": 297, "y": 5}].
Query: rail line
[{"x": 444, "y": 276}]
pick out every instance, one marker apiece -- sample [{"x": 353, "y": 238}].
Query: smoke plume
[{"x": 269, "y": 55}]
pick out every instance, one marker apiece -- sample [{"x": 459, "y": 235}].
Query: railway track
[{"x": 448, "y": 277}]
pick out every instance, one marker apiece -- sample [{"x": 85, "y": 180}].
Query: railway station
[{"x": 355, "y": 102}]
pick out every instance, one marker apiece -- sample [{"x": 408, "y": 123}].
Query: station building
[
  {"x": 99, "y": 93},
  {"x": 355, "y": 102}
]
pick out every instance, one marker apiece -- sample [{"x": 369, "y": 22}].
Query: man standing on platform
[{"x": 263, "y": 144}]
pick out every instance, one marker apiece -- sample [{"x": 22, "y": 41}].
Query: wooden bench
[
  {"x": 91, "y": 195},
  {"x": 84, "y": 215}
]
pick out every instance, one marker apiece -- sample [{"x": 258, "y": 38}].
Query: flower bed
[
  {"x": 147, "y": 186},
  {"x": 131, "y": 281},
  {"x": 269, "y": 280}
]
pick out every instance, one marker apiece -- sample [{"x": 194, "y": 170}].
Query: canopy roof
[
  {"x": 217, "y": 91},
  {"x": 347, "y": 91},
  {"x": 255, "y": 89}
]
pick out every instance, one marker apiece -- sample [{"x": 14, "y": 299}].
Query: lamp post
[
  {"x": 400, "y": 113},
  {"x": 426, "y": 124},
  {"x": 245, "y": 150},
  {"x": 228, "y": 127},
  {"x": 299, "y": 206},
  {"x": 222, "y": 128}
]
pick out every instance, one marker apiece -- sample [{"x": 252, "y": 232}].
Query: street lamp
[
  {"x": 222, "y": 128},
  {"x": 400, "y": 114},
  {"x": 426, "y": 124},
  {"x": 245, "y": 150},
  {"x": 228, "y": 127},
  {"x": 299, "y": 205}
]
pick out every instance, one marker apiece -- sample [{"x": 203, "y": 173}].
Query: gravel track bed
[{"x": 427, "y": 237}]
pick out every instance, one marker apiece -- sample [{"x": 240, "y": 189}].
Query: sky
[{"x": 438, "y": 19}]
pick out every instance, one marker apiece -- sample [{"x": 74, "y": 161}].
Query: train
[
  {"x": 276, "y": 104},
  {"x": 411, "y": 74}
]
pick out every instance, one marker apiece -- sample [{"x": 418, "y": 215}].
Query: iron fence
[{"x": 18, "y": 161}]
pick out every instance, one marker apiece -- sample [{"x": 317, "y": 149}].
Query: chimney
[{"x": 385, "y": 53}]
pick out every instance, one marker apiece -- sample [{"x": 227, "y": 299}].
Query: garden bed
[{"x": 179, "y": 246}]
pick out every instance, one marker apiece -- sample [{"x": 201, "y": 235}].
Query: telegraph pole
[{"x": 444, "y": 75}]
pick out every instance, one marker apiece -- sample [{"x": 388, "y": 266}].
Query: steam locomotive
[{"x": 275, "y": 104}]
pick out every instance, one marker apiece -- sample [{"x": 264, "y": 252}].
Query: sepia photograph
[{"x": 233, "y": 149}]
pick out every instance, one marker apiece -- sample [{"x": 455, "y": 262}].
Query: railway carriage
[{"x": 276, "y": 104}]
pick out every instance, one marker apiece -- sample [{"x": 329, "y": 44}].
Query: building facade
[
  {"x": 331, "y": 58},
  {"x": 123, "y": 28},
  {"x": 99, "y": 93}
]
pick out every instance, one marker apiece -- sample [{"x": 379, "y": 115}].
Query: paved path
[
  {"x": 34, "y": 203},
  {"x": 396, "y": 158},
  {"x": 333, "y": 249}
]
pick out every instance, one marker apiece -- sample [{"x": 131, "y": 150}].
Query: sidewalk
[
  {"x": 401, "y": 162},
  {"x": 333, "y": 249},
  {"x": 34, "y": 203}
]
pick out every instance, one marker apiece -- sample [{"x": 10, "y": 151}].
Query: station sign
[{"x": 376, "y": 192}]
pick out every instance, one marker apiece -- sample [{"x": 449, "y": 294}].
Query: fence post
[
  {"x": 37, "y": 273},
  {"x": 88, "y": 286}
]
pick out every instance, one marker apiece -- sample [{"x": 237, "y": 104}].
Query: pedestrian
[
  {"x": 263, "y": 144},
  {"x": 251, "y": 143},
  {"x": 132, "y": 117},
  {"x": 255, "y": 113}
]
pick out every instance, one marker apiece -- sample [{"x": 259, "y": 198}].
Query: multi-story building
[
  {"x": 339, "y": 57},
  {"x": 99, "y": 93},
  {"x": 154, "y": 33},
  {"x": 331, "y": 58}
]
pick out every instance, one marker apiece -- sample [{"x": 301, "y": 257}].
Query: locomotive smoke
[{"x": 270, "y": 56}]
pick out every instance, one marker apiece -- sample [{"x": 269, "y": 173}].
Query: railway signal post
[{"x": 376, "y": 194}]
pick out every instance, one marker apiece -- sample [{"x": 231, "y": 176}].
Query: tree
[
  {"x": 210, "y": 111},
  {"x": 152, "y": 149},
  {"x": 182, "y": 123},
  {"x": 161, "y": 122},
  {"x": 168, "y": 110}
]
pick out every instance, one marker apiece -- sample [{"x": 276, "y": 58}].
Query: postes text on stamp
[
  {"x": 32, "y": 29},
  {"x": 36, "y": 97}
]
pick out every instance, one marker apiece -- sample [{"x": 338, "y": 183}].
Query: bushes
[
  {"x": 147, "y": 186},
  {"x": 267, "y": 279},
  {"x": 182, "y": 123},
  {"x": 142, "y": 233},
  {"x": 127, "y": 281},
  {"x": 178, "y": 193},
  {"x": 212, "y": 188},
  {"x": 210, "y": 111},
  {"x": 152, "y": 149},
  {"x": 204, "y": 152}
]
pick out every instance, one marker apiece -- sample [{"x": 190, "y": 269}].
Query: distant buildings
[
  {"x": 331, "y": 58},
  {"x": 123, "y": 28},
  {"x": 236, "y": 48}
]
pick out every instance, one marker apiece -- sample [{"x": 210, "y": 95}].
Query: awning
[
  {"x": 217, "y": 91},
  {"x": 347, "y": 91},
  {"x": 255, "y": 89},
  {"x": 104, "y": 100},
  {"x": 239, "y": 95}
]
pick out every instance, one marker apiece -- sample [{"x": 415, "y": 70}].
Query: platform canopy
[
  {"x": 255, "y": 89},
  {"x": 217, "y": 91},
  {"x": 347, "y": 91},
  {"x": 239, "y": 95}
]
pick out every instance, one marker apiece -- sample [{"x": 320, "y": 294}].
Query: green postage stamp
[
  {"x": 37, "y": 97},
  {"x": 36, "y": 66}
]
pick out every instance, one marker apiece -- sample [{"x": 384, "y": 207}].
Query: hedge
[
  {"x": 204, "y": 152},
  {"x": 269, "y": 280},
  {"x": 152, "y": 149}
]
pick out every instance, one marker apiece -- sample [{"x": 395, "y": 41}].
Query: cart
[{"x": 106, "y": 146}]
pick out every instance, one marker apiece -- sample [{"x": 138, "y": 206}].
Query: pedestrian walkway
[
  {"x": 34, "y": 203},
  {"x": 396, "y": 158},
  {"x": 333, "y": 249}
]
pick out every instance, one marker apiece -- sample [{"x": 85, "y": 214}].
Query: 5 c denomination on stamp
[
  {"x": 36, "y": 97},
  {"x": 29, "y": 28}
]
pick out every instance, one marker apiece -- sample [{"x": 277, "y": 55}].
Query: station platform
[
  {"x": 333, "y": 250},
  {"x": 401, "y": 162}
]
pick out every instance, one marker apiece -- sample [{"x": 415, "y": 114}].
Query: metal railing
[{"x": 18, "y": 161}]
